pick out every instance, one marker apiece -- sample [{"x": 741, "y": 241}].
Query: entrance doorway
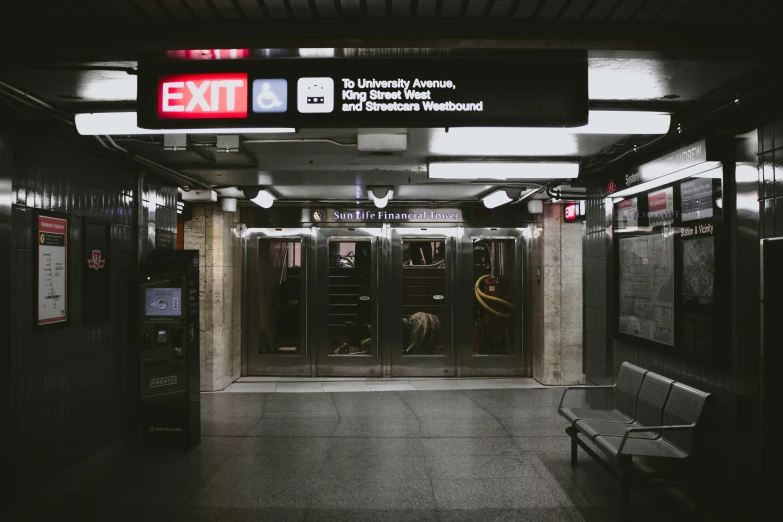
[{"x": 387, "y": 301}]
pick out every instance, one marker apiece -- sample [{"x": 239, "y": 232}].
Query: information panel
[
  {"x": 548, "y": 91},
  {"x": 696, "y": 197},
  {"x": 626, "y": 214},
  {"x": 646, "y": 286},
  {"x": 52, "y": 270}
]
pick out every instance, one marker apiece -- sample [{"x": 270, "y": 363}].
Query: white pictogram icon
[
  {"x": 267, "y": 99},
  {"x": 315, "y": 95}
]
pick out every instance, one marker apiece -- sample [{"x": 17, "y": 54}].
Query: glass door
[
  {"x": 491, "y": 311},
  {"x": 419, "y": 312},
  {"x": 276, "y": 293},
  {"x": 347, "y": 307}
]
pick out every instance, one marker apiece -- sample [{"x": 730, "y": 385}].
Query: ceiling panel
[
  {"x": 626, "y": 9},
  {"x": 200, "y": 9},
  {"x": 476, "y": 8},
  {"x": 177, "y": 9},
  {"x": 551, "y": 9},
  {"x": 402, "y": 8},
  {"x": 501, "y": 9},
  {"x": 277, "y": 8},
  {"x": 450, "y": 9},
  {"x": 226, "y": 9},
  {"x": 427, "y": 8},
  {"x": 675, "y": 10},
  {"x": 601, "y": 9},
  {"x": 151, "y": 9},
  {"x": 652, "y": 10},
  {"x": 527, "y": 8},
  {"x": 375, "y": 8},
  {"x": 576, "y": 9},
  {"x": 301, "y": 8},
  {"x": 251, "y": 8}
]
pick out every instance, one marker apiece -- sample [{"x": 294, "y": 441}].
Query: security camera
[{"x": 185, "y": 188}]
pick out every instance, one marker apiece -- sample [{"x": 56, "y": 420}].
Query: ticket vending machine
[{"x": 169, "y": 406}]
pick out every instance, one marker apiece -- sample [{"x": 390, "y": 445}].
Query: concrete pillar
[
  {"x": 215, "y": 235},
  {"x": 560, "y": 360}
]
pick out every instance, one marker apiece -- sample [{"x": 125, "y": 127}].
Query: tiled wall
[
  {"x": 727, "y": 465},
  {"x": 71, "y": 387}
]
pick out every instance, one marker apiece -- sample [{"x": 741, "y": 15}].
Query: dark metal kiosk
[{"x": 169, "y": 409}]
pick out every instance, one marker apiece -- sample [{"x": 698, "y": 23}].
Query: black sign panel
[
  {"x": 164, "y": 239},
  {"x": 96, "y": 275},
  {"x": 548, "y": 91}
]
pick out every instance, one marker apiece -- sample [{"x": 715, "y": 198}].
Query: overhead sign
[
  {"x": 415, "y": 215},
  {"x": 686, "y": 157},
  {"x": 548, "y": 90},
  {"x": 52, "y": 271},
  {"x": 198, "y": 96}
]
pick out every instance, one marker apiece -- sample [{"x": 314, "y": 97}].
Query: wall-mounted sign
[
  {"x": 686, "y": 157},
  {"x": 96, "y": 273},
  {"x": 390, "y": 92},
  {"x": 408, "y": 215},
  {"x": 696, "y": 199},
  {"x": 626, "y": 214},
  {"x": 660, "y": 206},
  {"x": 573, "y": 211},
  {"x": 52, "y": 272}
]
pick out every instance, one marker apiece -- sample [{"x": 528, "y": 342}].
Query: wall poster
[
  {"x": 646, "y": 299},
  {"x": 52, "y": 270},
  {"x": 660, "y": 207},
  {"x": 626, "y": 214}
]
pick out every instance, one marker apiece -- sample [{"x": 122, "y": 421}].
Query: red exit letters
[{"x": 190, "y": 96}]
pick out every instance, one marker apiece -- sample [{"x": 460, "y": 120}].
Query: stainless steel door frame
[
  {"x": 255, "y": 362},
  {"x": 515, "y": 363},
  {"x": 330, "y": 364},
  {"x": 418, "y": 365}
]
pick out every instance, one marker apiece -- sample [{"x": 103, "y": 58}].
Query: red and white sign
[
  {"x": 209, "y": 54},
  {"x": 95, "y": 262},
  {"x": 656, "y": 201},
  {"x": 660, "y": 206},
  {"x": 52, "y": 270},
  {"x": 571, "y": 211},
  {"x": 188, "y": 96}
]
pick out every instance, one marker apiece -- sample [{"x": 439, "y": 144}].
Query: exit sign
[{"x": 574, "y": 211}]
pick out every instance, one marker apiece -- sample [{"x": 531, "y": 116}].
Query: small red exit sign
[{"x": 574, "y": 211}]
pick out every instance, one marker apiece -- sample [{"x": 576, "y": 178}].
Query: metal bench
[
  {"x": 625, "y": 391},
  {"x": 667, "y": 411}
]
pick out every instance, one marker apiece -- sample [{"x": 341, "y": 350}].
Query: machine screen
[{"x": 163, "y": 302}]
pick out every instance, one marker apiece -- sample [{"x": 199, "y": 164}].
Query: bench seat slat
[
  {"x": 595, "y": 428},
  {"x": 574, "y": 414},
  {"x": 640, "y": 447}
]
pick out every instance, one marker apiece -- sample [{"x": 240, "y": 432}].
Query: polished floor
[{"x": 395, "y": 456}]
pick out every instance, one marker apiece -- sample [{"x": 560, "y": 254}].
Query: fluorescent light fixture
[
  {"x": 124, "y": 123},
  {"x": 264, "y": 199},
  {"x": 497, "y": 198},
  {"x": 624, "y": 122},
  {"x": 380, "y": 195},
  {"x": 316, "y": 53},
  {"x": 503, "y": 171},
  {"x": 705, "y": 169}
]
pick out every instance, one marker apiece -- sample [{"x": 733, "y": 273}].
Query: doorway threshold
[{"x": 360, "y": 384}]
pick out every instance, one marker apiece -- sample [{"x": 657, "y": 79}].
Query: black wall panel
[{"x": 70, "y": 387}]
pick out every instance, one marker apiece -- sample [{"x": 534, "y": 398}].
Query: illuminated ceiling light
[
  {"x": 264, "y": 199},
  {"x": 705, "y": 169},
  {"x": 316, "y": 53},
  {"x": 497, "y": 198},
  {"x": 624, "y": 122},
  {"x": 380, "y": 195},
  {"x": 124, "y": 123},
  {"x": 503, "y": 171}
]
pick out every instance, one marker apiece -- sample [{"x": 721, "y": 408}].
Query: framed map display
[
  {"x": 646, "y": 286},
  {"x": 51, "y": 269}
]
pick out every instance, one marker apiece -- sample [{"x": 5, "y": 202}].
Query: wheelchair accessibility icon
[{"x": 270, "y": 96}]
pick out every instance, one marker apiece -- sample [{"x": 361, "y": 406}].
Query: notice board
[{"x": 51, "y": 276}]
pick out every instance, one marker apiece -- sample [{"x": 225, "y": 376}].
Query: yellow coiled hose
[{"x": 480, "y": 296}]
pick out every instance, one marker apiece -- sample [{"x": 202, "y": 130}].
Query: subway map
[{"x": 646, "y": 303}]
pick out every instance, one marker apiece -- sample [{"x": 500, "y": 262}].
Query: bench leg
[
  {"x": 572, "y": 433},
  {"x": 625, "y": 486}
]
